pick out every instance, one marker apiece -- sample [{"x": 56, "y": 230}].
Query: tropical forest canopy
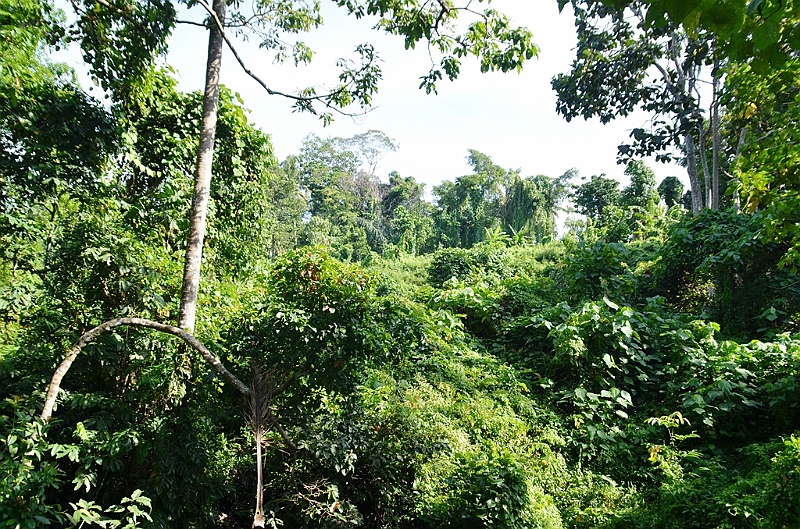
[{"x": 363, "y": 351}]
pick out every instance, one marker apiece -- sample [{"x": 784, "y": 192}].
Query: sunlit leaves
[
  {"x": 764, "y": 105},
  {"x": 121, "y": 40},
  {"x": 489, "y": 36},
  {"x": 757, "y": 29}
]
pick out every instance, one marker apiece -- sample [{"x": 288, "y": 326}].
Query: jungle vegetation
[{"x": 363, "y": 356}]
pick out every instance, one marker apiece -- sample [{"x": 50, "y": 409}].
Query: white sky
[{"x": 510, "y": 117}]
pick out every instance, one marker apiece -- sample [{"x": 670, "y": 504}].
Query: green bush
[{"x": 482, "y": 261}]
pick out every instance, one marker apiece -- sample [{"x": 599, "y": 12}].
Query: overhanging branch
[
  {"x": 325, "y": 98},
  {"x": 89, "y": 336}
]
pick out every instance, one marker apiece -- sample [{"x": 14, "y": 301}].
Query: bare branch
[
  {"x": 190, "y": 23},
  {"x": 325, "y": 98},
  {"x": 89, "y": 336}
]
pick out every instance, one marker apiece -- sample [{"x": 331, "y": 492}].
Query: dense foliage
[{"x": 448, "y": 364}]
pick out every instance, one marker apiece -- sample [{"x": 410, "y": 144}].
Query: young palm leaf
[{"x": 262, "y": 390}]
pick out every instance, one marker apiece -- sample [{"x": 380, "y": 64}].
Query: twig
[{"x": 304, "y": 99}]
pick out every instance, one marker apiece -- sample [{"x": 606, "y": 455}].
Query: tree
[
  {"x": 472, "y": 203},
  {"x": 345, "y": 200},
  {"x": 109, "y": 32},
  {"x": 671, "y": 191},
  {"x": 531, "y": 205},
  {"x": 760, "y": 38},
  {"x": 494, "y": 200},
  {"x": 248, "y": 197},
  {"x": 641, "y": 192},
  {"x": 625, "y": 63},
  {"x": 408, "y": 214},
  {"x": 403, "y": 192},
  {"x": 592, "y": 197}
]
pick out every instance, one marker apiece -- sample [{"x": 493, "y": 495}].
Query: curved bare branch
[
  {"x": 89, "y": 336},
  {"x": 325, "y": 98}
]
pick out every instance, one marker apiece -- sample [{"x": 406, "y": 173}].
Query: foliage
[
  {"x": 641, "y": 192},
  {"x": 763, "y": 30},
  {"x": 717, "y": 263},
  {"x": 599, "y": 269},
  {"x": 26, "y": 476},
  {"x": 762, "y": 106},
  {"x": 592, "y": 197},
  {"x": 482, "y": 261},
  {"x": 492, "y": 199},
  {"x": 671, "y": 191},
  {"x": 499, "y": 381},
  {"x": 31, "y": 474},
  {"x": 370, "y": 399}
]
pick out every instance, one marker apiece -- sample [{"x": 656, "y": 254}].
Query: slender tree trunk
[
  {"x": 258, "y": 518},
  {"x": 202, "y": 182},
  {"x": 704, "y": 164},
  {"x": 715, "y": 138},
  {"x": 691, "y": 168},
  {"x": 737, "y": 198}
]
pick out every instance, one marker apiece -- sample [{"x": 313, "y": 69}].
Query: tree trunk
[
  {"x": 706, "y": 171},
  {"x": 202, "y": 182},
  {"x": 737, "y": 196},
  {"x": 715, "y": 138},
  {"x": 691, "y": 168},
  {"x": 258, "y": 518}
]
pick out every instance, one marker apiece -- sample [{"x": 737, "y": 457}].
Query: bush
[{"x": 482, "y": 261}]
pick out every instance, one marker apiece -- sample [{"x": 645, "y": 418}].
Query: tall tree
[
  {"x": 641, "y": 191},
  {"x": 624, "y": 63},
  {"x": 471, "y": 204},
  {"x": 671, "y": 190},
  {"x": 594, "y": 195},
  {"x": 109, "y": 31},
  {"x": 531, "y": 205},
  {"x": 202, "y": 180}
]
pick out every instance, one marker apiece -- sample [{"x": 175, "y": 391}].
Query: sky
[{"x": 509, "y": 116}]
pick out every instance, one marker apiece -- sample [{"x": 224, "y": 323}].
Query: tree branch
[
  {"x": 285, "y": 436},
  {"x": 89, "y": 336},
  {"x": 305, "y": 99},
  {"x": 190, "y": 23}
]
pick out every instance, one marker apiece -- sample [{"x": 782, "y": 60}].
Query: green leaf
[
  {"x": 608, "y": 361},
  {"x": 679, "y": 10},
  {"x": 766, "y": 34},
  {"x": 611, "y": 304},
  {"x": 753, "y": 6}
]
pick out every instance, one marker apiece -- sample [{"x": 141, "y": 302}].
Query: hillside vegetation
[{"x": 362, "y": 356}]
